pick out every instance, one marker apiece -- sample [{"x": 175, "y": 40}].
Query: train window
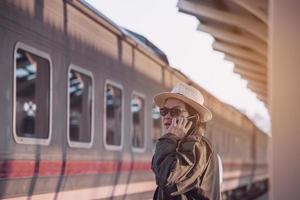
[
  {"x": 80, "y": 107},
  {"x": 138, "y": 122},
  {"x": 32, "y": 95},
  {"x": 113, "y": 121},
  {"x": 156, "y": 125}
]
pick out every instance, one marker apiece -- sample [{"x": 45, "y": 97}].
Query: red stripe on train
[{"x": 29, "y": 168}]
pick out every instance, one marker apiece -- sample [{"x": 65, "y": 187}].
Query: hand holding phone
[
  {"x": 191, "y": 117},
  {"x": 188, "y": 118},
  {"x": 180, "y": 126}
]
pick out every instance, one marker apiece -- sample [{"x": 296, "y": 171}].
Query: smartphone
[
  {"x": 188, "y": 118},
  {"x": 191, "y": 117}
]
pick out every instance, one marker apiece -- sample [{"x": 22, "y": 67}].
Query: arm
[
  {"x": 211, "y": 184},
  {"x": 178, "y": 165}
]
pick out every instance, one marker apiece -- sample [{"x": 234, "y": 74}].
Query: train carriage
[{"x": 77, "y": 116}]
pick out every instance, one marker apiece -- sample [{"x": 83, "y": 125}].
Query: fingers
[
  {"x": 184, "y": 122},
  {"x": 173, "y": 123},
  {"x": 189, "y": 125},
  {"x": 180, "y": 126},
  {"x": 180, "y": 121}
]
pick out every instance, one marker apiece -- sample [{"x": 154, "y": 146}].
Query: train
[{"x": 77, "y": 114}]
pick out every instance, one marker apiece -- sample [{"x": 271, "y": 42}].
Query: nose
[{"x": 168, "y": 115}]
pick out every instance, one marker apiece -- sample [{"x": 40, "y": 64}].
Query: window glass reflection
[
  {"x": 32, "y": 113},
  {"x": 113, "y": 115},
  {"x": 80, "y": 106},
  {"x": 138, "y": 121}
]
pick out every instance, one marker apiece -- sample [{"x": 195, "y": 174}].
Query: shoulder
[
  {"x": 205, "y": 142},
  {"x": 204, "y": 148},
  {"x": 202, "y": 142},
  {"x": 211, "y": 152}
]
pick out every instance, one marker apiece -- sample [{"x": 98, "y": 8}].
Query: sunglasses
[{"x": 174, "y": 112}]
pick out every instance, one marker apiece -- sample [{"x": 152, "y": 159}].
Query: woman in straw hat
[{"x": 184, "y": 163}]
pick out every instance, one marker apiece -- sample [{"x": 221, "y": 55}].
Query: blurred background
[{"x": 78, "y": 78}]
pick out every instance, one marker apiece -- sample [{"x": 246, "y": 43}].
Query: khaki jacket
[{"x": 185, "y": 169}]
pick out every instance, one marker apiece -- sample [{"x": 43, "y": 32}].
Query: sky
[{"x": 187, "y": 49}]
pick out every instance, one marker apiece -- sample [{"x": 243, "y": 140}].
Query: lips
[{"x": 167, "y": 124}]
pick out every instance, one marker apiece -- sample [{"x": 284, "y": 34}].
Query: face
[{"x": 176, "y": 104}]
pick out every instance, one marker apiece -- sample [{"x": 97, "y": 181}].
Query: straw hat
[{"x": 188, "y": 95}]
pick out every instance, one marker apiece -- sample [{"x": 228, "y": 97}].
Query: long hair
[{"x": 198, "y": 127}]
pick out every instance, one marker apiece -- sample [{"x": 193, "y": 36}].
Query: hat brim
[{"x": 205, "y": 114}]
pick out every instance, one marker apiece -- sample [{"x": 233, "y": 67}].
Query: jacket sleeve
[
  {"x": 211, "y": 180},
  {"x": 179, "y": 164}
]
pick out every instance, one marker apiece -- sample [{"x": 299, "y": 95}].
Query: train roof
[
  {"x": 138, "y": 38},
  {"x": 149, "y": 44}
]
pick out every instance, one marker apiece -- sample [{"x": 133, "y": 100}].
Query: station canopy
[{"x": 240, "y": 30}]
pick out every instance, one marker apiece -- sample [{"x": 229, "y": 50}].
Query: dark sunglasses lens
[
  {"x": 163, "y": 111},
  {"x": 174, "y": 112}
]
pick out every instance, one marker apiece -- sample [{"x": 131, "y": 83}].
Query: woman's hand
[{"x": 179, "y": 128}]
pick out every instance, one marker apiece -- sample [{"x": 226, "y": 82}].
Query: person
[{"x": 184, "y": 163}]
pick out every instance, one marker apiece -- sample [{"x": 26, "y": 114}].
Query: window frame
[
  {"x": 109, "y": 146},
  {"x": 137, "y": 149},
  {"x": 152, "y": 127},
  {"x": 45, "y": 55},
  {"x": 74, "y": 144}
]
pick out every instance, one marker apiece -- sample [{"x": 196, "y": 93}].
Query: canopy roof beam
[
  {"x": 247, "y": 23},
  {"x": 246, "y": 65},
  {"x": 262, "y": 98},
  {"x": 235, "y": 38},
  {"x": 248, "y": 5},
  {"x": 258, "y": 90},
  {"x": 252, "y": 76},
  {"x": 257, "y": 85},
  {"x": 239, "y": 52}
]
